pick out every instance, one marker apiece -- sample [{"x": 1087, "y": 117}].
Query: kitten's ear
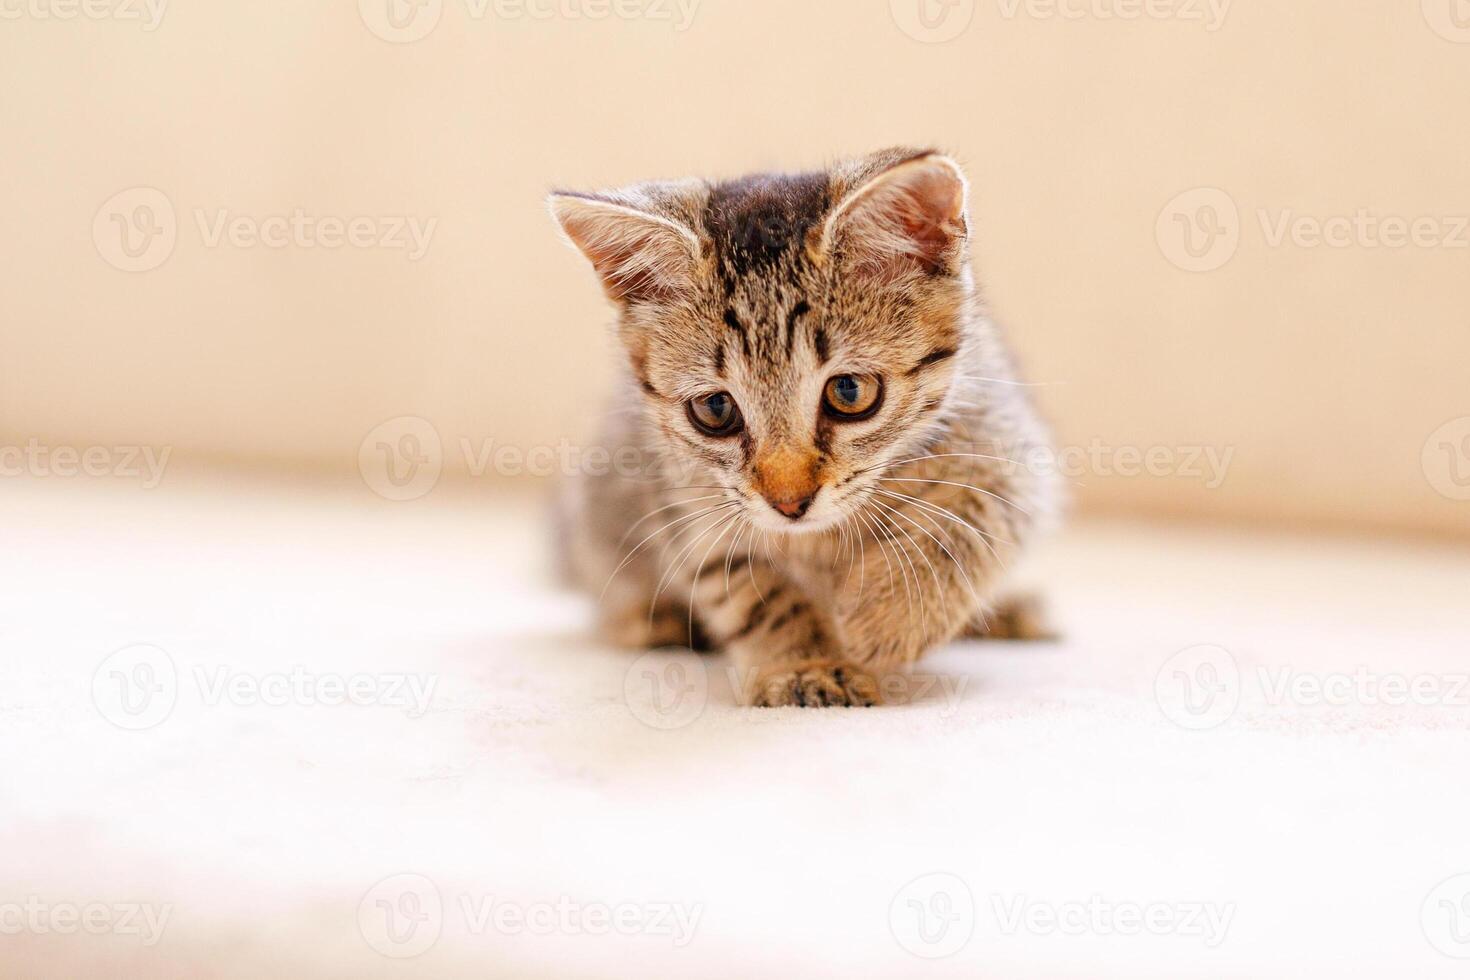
[
  {"x": 639, "y": 255},
  {"x": 910, "y": 216}
]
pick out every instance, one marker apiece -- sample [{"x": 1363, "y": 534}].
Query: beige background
[{"x": 1325, "y": 369}]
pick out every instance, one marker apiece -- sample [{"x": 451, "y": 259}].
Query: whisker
[
  {"x": 676, "y": 540},
  {"x": 938, "y": 586},
  {"x": 962, "y": 486},
  {"x": 866, "y": 519},
  {"x": 903, "y": 560},
  {"x": 903, "y": 500},
  {"x": 731, "y": 522},
  {"x": 1007, "y": 381},
  {"x": 979, "y": 604},
  {"x": 985, "y": 539},
  {"x": 835, "y": 532},
  {"x": 850, "y": 545},
  {"x": 730, "y": 555},
  {"x": 750, "y": 565},
  {"x": 906, "y": 559},
  {"x": 629, "y": 557},
  {"x": 959, "y": 566},
  {"x": 944, "y": 512},
  {"x": 888, "y": 467},
  {"x": 681, "y": 559},
  {"x": 920, "y": 459},
  {"x": 678, "y": 503}
]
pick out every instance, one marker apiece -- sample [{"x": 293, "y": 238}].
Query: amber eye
[
  {"x": 716, "y": 415},
  {"x": 853, "y": 396}
]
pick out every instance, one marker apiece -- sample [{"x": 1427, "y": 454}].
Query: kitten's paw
[{"x": 815, "y": 684}]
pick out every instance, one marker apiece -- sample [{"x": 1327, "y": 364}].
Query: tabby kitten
[{"x": 833, "y": 419}]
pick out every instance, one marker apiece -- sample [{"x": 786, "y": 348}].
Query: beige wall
[{"x": 1325, "y": 369}]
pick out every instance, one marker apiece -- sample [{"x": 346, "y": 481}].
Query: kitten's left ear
[{"x": 911, "y": 216}]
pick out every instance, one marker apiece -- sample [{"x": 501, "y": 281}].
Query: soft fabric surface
[{"x": 1017, "y": 786}]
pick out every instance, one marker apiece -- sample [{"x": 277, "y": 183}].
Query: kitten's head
[{"x": 794, "y": 334}]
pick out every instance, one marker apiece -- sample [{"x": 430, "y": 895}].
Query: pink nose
[{"x": 792, "y": 508}]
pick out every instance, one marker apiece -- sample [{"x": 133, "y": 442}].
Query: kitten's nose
[
  {"x": 788, "y": 478},
  {"x": 792, "y": 508}
]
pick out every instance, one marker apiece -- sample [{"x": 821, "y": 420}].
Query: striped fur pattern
[{"x": 765, "y": 289}]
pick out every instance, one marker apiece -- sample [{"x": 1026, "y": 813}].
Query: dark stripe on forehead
[
  {"x": 934, "y": 357},
  {"x": 756, "y": 222},
  {"x": 720, "y": 358},
  {"x": 733, "y": 322},
  {"x": 798, "y": 311},
  {"x": 819, "y": 344}
]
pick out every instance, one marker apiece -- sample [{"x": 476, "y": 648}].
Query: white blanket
[{"x": 251, "y": 733}]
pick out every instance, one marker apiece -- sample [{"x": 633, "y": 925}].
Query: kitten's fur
[{"x": 766, "y": 287}]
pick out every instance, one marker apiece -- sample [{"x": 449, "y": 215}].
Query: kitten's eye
[
  {"x": 716, "y": 415},
  {"x": 853, "y": 396}
]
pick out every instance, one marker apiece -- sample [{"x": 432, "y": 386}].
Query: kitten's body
[{"x": 764, "y": 289}]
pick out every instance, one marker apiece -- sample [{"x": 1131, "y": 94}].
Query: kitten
[{"x": 833, "y": 418}]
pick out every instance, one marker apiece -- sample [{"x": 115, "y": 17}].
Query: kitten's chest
[{"x": 809, "y": 561}]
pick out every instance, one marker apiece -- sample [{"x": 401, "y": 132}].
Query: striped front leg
[{"x": 781, "y": 643}]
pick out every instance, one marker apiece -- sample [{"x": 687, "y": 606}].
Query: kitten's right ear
[{"x": 640, "y": 256}]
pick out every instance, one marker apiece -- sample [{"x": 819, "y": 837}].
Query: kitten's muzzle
[{"x": 788, "y": 480}]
